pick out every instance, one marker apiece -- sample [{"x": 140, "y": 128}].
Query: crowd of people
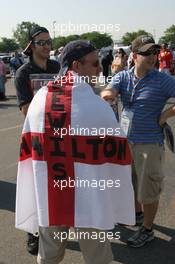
[
  {"x": 121, "y": 60},
  {"x": 112, "y": 62},
  {"x": 144, "y": 83}
]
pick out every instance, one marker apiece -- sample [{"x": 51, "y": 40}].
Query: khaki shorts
[
  {"x": 51, "y": 251},
  {"x": 147, "y": 171}
]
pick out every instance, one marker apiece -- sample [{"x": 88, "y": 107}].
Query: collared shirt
[
  {"x": 23, "y": 85},
  {"x": 146, "y": 98}
]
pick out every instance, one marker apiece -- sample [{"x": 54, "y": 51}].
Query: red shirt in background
[{"x": 166, "y": 60}]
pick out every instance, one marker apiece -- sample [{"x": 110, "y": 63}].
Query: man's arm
[
  {"x": 168, "y": 88},
  {"x": 23, "y": 90},
  {"x": 109, "y": 94},
  {"x": 112, "y": 90},
  {"x": 24, "y": 109},
  {"x": 170, "y": 112}
]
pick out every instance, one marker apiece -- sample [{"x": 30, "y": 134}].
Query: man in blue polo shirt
[{"x": 144, "y": 92}]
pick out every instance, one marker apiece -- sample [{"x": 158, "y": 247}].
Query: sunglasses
[
  {"x": 43, "y": 42},
  {"x": 148, "y": 53}
]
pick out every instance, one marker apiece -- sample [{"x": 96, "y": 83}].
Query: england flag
[{"x": 75, "y": 165}]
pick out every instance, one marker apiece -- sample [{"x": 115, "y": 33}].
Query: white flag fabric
[{"x": 75, "y": 164}]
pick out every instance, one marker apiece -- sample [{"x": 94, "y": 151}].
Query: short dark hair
[
  {"x": 74, "y": 50},
  {"x": 35, "y": 31}
]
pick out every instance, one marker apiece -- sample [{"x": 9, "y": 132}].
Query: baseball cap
[
  {"x": 143, "y": 43},
  {"x": 169, "y": 137},
  {"x": 74, "y": 50},
  {"x": 35, "y": 31}
]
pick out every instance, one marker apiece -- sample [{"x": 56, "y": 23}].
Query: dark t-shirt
[{"x": 23, "y": 79}]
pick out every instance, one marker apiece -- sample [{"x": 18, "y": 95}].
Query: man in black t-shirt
[
  {"x": 33, "y": 75},
  {"x": 38, "y": 49}
]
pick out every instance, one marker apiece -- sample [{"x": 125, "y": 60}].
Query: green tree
[
  {"x": 8, "y": 45},
  {"x": 71, "y": 38},
  {"x": 128, "y": 37},
  {"x": 58, "y": 42},
  {"x": 169, "y": 36},
  {"x": 62, "y": 41},
  {"x": 98, "y": 39},
  {"x": 22, "y": 31}
]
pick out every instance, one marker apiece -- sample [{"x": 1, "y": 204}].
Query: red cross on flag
[{"x": 75, "y": 164}]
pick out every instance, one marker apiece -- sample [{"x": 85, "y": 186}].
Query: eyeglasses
[
  {"x": 149, "y": 52},
  {"x": 43, "y": 42}
]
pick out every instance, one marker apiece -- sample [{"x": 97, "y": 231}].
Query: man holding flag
[{"x": 80, "y": 178}]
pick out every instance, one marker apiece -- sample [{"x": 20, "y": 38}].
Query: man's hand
[
  {"x": 170, "y": 112},
  {"x": 162, "y": 119},
  {"x": 108, "y": 95},
  {"x": 24, "y": 109}
]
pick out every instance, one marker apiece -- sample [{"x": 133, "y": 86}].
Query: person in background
[
  {"x": 2, "y": 80},
  {"x": 120, "y": 61},
  {"x": 59, "y": 53},
  {"x": 173, "y": 53},
  {"x": 130, "y": 61},
  {"x": 15, "y": 62},
  {"x": 106, "y": 62},
  {"x": 55, "y": 55},
  {"x": 165, "y": 60},
  {"x": 119, "y": 64},
  {"x": 38, "y": 50}
]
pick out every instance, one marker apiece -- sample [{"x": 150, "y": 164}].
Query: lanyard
[{"x": 135, "y": 83}]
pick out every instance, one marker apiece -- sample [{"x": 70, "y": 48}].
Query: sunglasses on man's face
[
  {"x": 148, "y": 53},
  {"x": 43, "y": 42}
]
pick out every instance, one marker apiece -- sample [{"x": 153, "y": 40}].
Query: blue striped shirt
[{"x": 146, "y": 98}]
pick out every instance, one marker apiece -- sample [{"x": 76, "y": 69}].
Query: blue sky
[{"x": 112, "y": 16}]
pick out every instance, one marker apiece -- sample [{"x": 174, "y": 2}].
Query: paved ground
[{"x": 12, "y": 241}]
